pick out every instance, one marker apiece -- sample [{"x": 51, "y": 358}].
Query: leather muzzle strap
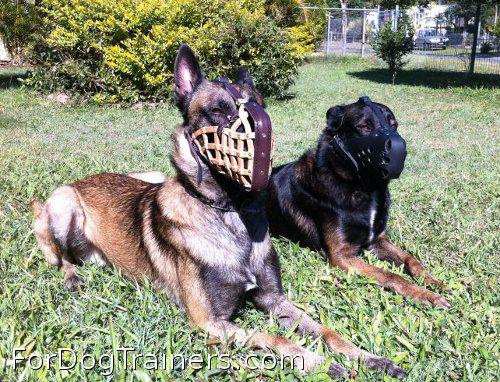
[{"x": 199, "y": 175}]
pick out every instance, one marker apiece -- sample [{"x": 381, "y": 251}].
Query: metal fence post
[
  {"x": 396, "y": 18},
  {"x": 363, "y": 34},
  {"x": 344, "y": 30},
  {"x": 378, "y": 18},
  {"x": 328, "y": 34}
]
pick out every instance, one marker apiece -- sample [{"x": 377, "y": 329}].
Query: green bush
[
  {"x": 486, "y": 48},
  {"x": 124, "y": 50},
  {"x": 306, "y": 26},
  {"x": 392, "y": 45}
]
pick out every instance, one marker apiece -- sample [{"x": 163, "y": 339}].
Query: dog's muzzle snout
[
  {"x": 378, "y": 155},
  {"x": 243, "y": 149}
]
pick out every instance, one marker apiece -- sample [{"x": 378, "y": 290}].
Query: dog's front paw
[
  {"x": 436, "y": 300},
  {"x": 438, "y": 284},
  {"x": 73, "y": 281},
  {"x": 386, "y": 365},
  {"x": 336, "y": 371}
]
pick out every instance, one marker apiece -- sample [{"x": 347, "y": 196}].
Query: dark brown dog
[
  {"x": 197, "y": 242},
  {"x": 319, "y": 202}
]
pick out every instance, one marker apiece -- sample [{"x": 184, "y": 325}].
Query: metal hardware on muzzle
[
  {"x": 378, "y": 155},
  {"x": 243, "y": 149}
]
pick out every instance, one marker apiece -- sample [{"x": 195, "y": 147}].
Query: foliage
[
  {"x": 494, "y": 29},
  {"x": 392, "y": 45},
  {"x": 304, "y": 39},
  {"x": 464, "y": 11},
  {"x": 124, "y": 50},
  {"x": 306, "y": 26},
  {"x": 19, "y": 22},
  {"x": 486, "y": 48},
  {"x": 385, "y": 4},
  {"x": 444, "y": 211}
]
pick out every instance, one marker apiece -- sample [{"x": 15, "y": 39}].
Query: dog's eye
[{"x": 216, "y": 110}]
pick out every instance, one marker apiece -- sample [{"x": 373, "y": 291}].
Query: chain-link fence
[{"x": 351, "y": 31}]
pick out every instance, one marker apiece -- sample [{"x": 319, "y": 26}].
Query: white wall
[{"x": 4, "y": 55}]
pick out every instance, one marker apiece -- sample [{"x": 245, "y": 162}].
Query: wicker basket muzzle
[{"x": 242, "y": 151}]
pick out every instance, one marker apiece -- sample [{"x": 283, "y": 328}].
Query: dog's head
[
  {"x": 212, "y": 112},
  {"x": 356, "y": 120},
  {"x": 360, "y": 141},
  {"x": 203, "y": 102}
]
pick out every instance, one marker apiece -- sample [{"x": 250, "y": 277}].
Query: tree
[
  {"x": 392, "y": 45},
  {"x": 384, "y": 4},
  {"x": 19, "y": 22}
]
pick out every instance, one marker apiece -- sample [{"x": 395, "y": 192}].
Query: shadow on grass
[
  {"x": 430, "y": 78},
  {"x": 10, "y": 79}
]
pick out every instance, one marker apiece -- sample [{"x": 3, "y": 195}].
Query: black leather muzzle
[{"x": 379, "y": 155}]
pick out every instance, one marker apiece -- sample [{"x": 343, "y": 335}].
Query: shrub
[
  {"x": 392, "y": 45},
  {"x": 124, "y": 50},
  {"x": 307, "y": 27},
  {"x": 486, "y": 48}
]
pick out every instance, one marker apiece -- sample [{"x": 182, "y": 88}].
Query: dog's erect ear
[
  {"x": 247, "y": 86},
  {"x": 187, "y": 76},
  {"x": 334, "y": 117},
  {"x": 243, "y": 77}
]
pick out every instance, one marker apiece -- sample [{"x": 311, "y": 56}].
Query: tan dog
[{"x": 197, "y": 242}]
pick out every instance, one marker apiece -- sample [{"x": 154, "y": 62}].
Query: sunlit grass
[{"x": 445, "y": 211}]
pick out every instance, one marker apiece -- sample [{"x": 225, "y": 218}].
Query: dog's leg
[
  {"x": 288, "y": 314},
  {"x": 385, "y": 250},
  {"x": 343, "y": 255},
  {"x": 302, "y": 359},
  {"x": 198, "y": 308}
]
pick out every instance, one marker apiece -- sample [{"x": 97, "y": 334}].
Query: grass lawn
[{"x": 445, "y": 211}]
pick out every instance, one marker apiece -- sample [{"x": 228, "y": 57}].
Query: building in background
[
  {"x": 4, "y": 55},
  {"x": 430, "y": 17}
]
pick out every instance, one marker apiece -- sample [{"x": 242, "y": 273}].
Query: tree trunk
[
  {"x": 343, "y": 5},
  {"x": 474, "y": 41}
]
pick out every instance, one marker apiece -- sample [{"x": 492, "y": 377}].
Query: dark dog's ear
[
  {"x": 389, "y": 116},
  {"x": 243, "y": 77},
  {"x": 247, "y": 86},
  {"x": 334, "y": 117},
  {"x": 187, "y": 76}
]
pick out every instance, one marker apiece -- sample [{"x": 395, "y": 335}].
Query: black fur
[{"x": 319, "y": 190}]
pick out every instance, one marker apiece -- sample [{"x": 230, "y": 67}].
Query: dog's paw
[
  {"x": 386, "y": 365},
  {"x": 73, "y": 282},
  {"x": 436, "y": 300},
  {"x": 438, "y": 284},
  {"x": 336, "y": 371}
]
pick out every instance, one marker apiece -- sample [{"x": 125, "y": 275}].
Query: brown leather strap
[{"x": 262, "y": 145}]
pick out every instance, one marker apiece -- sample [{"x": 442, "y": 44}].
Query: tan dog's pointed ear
[
  {"x": 187, "y": 76},
  {"x": 245, "y": 80}
]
